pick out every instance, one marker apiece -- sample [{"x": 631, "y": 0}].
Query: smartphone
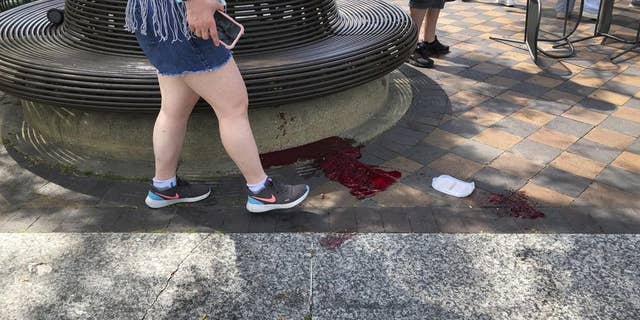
[{"x": 229, "y": 30}]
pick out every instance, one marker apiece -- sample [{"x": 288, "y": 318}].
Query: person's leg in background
[
  {"x": 430, "y": 25},
  {"x": 427, "y": 11},
  {"x": 590, "y": 10},
  {"x": 417, "y": 15},
  {"x": 433, "y": 47},
  {"x": 506, "y": 3},
  {"x": 561, "y": 7}
]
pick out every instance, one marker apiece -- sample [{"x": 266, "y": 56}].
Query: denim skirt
[{"x": 168, "y": 43}]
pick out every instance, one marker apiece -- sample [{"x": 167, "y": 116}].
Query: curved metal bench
[
  {"x": 293, "y": 50},
  {"x": 8, "y": 4}
]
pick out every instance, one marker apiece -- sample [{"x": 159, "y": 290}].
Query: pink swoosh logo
[
  {"x": 268, "y": 200},
  {"x": 176, "y": 196}
]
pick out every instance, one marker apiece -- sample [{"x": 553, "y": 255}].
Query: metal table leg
[
  {"x": 532, "y": 28},
  {"x": 634, "y": 46},
  {"x": 603, "y": 24}
]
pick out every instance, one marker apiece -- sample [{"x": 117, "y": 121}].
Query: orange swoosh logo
[
  {"x": 268, "y": 200},
  {"x": 176, "y": 196}
]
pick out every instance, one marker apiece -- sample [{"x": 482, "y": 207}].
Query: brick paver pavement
[{"x": 565, "y": 131}]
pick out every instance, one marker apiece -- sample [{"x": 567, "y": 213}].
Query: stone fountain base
[{"x": 120, "y": 144}]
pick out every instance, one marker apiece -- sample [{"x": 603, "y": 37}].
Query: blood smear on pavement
[{"x": 338, "y": 159}]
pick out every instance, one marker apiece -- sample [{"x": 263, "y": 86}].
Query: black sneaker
[
  {"x": 182, "y": 192},
  {"x": 275, "y": 195},
  {"x": 434, "y": 48},
  {"x": 419, "y": 61},
  {"x": 441, "y": 47}
]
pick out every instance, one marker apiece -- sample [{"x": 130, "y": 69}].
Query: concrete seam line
[
  {"x": 32, "y": 223},
  {"x": 173, "y": 273},
  {"x": 313, "y": 255}
]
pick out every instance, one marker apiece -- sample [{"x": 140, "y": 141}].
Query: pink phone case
[{"x": 235, "y": 41}]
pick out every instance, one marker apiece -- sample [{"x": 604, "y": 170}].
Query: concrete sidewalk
[
  {"x": 319, "y": 276},
  {"x": 567, "y": 132}
]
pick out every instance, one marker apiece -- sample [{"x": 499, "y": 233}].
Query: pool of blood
[{"x": 338, "y": 159}]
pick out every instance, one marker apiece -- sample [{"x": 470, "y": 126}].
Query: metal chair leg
[{"x": 625, "y": 51}]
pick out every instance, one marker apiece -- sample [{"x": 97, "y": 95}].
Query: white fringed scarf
[{"x": 169, "y": 18}]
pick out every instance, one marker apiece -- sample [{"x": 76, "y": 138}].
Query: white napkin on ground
[{"x": 452, "y": 186}]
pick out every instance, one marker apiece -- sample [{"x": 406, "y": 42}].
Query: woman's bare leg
[
  {"x": 178, "y": 101},
  {"x": 417, "y": 16},
  {"x": 225, "y": 91}
]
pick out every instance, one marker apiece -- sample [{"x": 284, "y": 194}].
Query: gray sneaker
[
  {"x": 183, "y": 191},
  {"x": 276, "y": 195}
]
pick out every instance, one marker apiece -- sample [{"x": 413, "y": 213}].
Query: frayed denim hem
[{"x": 182, "y": 74}]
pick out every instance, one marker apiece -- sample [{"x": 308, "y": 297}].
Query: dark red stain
[
  {"x": 334, "y": 241},
  {"x": 312, "y": 151},
  {"x": 518, "y": 204},
  {"x": 283, "y": 126},
  {"x": 363, "y": 180},
  {"x": 338, "y": 159}
]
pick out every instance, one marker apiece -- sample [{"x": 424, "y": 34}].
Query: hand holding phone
[
  {"x": 229, "y": 30},
  {"x": 200, "y": 19}
]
